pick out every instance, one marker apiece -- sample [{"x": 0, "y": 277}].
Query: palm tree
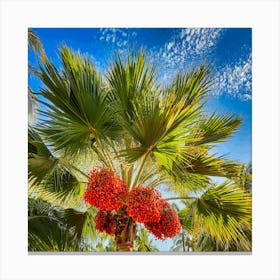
[{"x": 146, "y": 134}]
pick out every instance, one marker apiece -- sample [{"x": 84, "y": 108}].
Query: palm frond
[
  {"x": 143, "y": 241},
  {"x": 129, "y": 81},
  {"x": 214, "y": 128},
  {"x": 222, "y": 211},
  {"x": 32, "y": 105},
  {"x": 47, "y": 174},
  {"x": 205, "y": 243},
  {"x": 191, "y": 85},
  {"x": 44, "y": 231},
  {"x": 35, "y": 43},
  {"x": 160, "y": 129},
  {"x": 244, "y": 178},
  {"x": 211, "y": 165},
  {"x": 55, "y": 229},
  {"x": 77, "y": 111}
]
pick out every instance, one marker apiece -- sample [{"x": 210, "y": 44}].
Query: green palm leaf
[
  {"x": 193, "y": 85},
  {"x": 129, "y": 81},
  {"x": 76, "y": 111},
  {"x": 48, "y": 175},
  {"x": 214, "y": 128},
  {"x": 56, "y": 229},
  {"x": 222, "y": 211}
]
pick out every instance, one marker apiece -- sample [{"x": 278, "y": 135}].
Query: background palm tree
[{"x": 149, "y": 135}]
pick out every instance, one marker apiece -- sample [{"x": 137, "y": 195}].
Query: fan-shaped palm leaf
[
  {"x": 76, "y": 109},
  {"x": 193, "y": 85},
  {"x": 213, "y": 129},
  {"x": 56, "y": 229},
  {"x": 222, "y": 211},
  {"x": 49, "y": 175}
]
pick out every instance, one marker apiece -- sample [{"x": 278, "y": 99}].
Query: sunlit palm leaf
[
  {"x": 244, "y": 178},
  {"x": 143, "y": 241},
  {"x": 222, "y": 211},
  {"x": 206, "y": 243},
  {"x": 211, "y": 165},
  {"x": 160, "y": 129},
  {"x": 193, "y": 85},
  {"x": 214, "y": 128}
]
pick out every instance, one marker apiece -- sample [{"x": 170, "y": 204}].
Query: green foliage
[
  {"x": 53, "y": 229},
  {"x": 49, "y": 175},
  {"x": 77, "y": 111},
  {"x": 214, "y": 128},
  {"x": 143, "y": 241},
  {"x": 222, "y": 212}
]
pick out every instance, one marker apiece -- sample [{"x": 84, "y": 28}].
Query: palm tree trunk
[{"x": 125, "y": 231}]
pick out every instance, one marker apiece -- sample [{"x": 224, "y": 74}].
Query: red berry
[
  {"x": 105, "y": 190},
  {"x": 169, "y": 224},
  {"x": 143, "y": 205},
  {"x": 105, "y": 222}
]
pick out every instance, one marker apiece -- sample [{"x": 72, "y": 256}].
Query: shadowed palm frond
[
  {"x": 129, "y": 81},
  {"x": 48, "y": 175},
  {"x": 55, "y": 229},
  {"x": 77, "y": 111}
]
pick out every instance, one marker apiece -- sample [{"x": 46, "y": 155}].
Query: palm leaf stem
[
  {"x": 105, "y": 155},
  {"x": 140, "y": 169}
]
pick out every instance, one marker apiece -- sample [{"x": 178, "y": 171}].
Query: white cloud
[
  {"x": 115, "y": 36},
  {"x": 185, "y": 46},
  {"x": 186, "y": 49},
  {"x": 235, "y": 79}
]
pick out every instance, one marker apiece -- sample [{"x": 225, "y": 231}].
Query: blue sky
[{"x": 173, "y": 50}]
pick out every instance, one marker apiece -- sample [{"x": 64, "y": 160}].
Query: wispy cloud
[
  {"x": 117, "y": 37},
  {"x": 186, "y": 47},
  {"x": 235, "y": 79},
  {"x": 199, "y": 41}
]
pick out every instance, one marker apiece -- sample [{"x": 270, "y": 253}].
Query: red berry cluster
[
  {"x": 105, "y": 222},
  {"x": 105, "y": 190},
  {"x": 143, "y": 205},
  {"x": 169, "y": 224}
]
